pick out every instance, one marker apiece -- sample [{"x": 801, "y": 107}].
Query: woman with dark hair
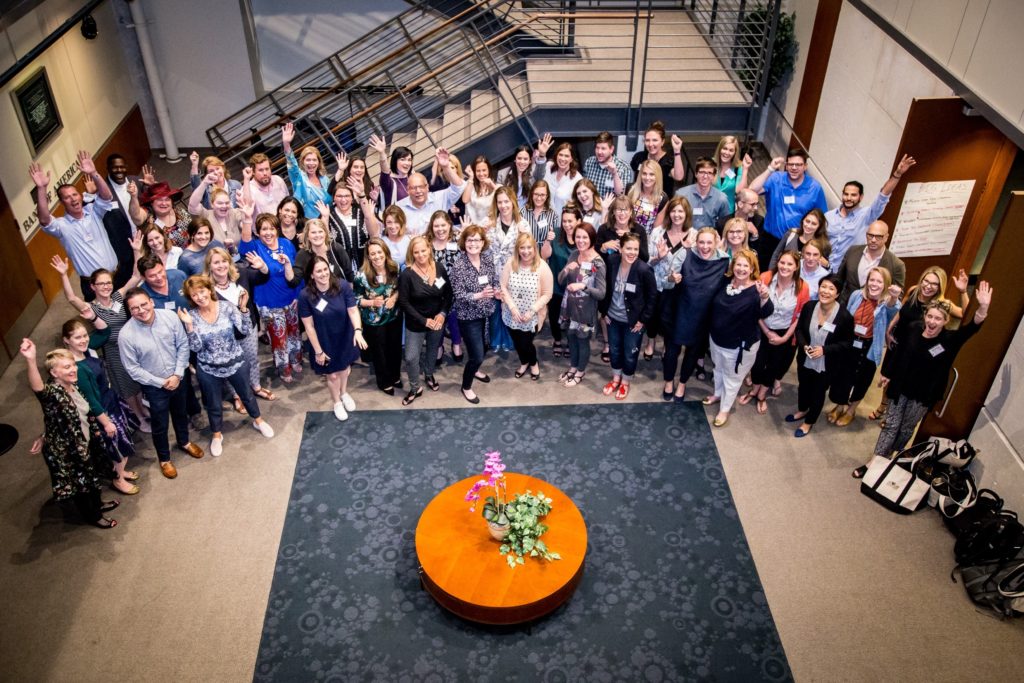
[
  {"x": 351, "y": 223},
  {"x": 583, "y": 279},
  {"x": 327, "y": 308},
  {"x": 69, "y": 447},
  {"x": 395, "y": 235},
  {"x": 561, "y": 174},
  {"x": 394, "y": 176},
  {"x": 307, "y": 175},
  {"x": 441, "y": 233},
  {"x": 813, "y": 226},
  {"x": 291, "y": 218},
  {"x": 213, "y": 327},
  {"x": 275, "y": 297},
  {"x": 525, "y": 291},
  {"x": 116, "y": 421},
  {"x": 824, "y": 334},
  {"x": 376, "y": 289},
  {"x": 354, "y": 168},
  {"x": 193, "y": 257},
  {"x": 539, "y": 215},
  {"x": 628, "y": 306},
  {"x": 584, "y": 194},
  {"x": 687, "y": 316},
  {"x": 479, "y": 193},
  {"x": 668, "y": 246},
  {"x": 519, "y": 176},
  {"x": 556, "y": 252},
  {"x": 475, "y": 287},
  {"x": 672, "y": 169},
  {"x": 154, "y": 242},
  {"x": 609, "y": 239},
  {"x": 425, "y": 295},
  {"x": 317, "y": 242},
  {"x": 788, "y": 294}
]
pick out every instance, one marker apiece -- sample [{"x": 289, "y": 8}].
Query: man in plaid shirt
[{"x": 609, "y": 174}]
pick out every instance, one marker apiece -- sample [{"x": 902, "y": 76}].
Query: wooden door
[
  {"x": 949, "y": 145},
  {"x": 18, "y": 284}
]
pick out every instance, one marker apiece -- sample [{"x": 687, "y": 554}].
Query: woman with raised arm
[
  {"x": 519, "y": 176},
  {"x": 872, "y": 306},
  {"x": 291, "y": 218},
  {"x": 647, "y": 198},
  {"x": 735, "y": 337},
  {"x": 351, "y": 221},
  {"x": 213, "y": 327},
  {"x": 156, "y": 206},
  {"x": 216, "y": 172},
  {"x": 730, "y": 171},
  {"x": 108, "y": 306},
  {"x": 628, "y": 305},
  {"x": 813, "y": 226},
  {"x": 670, "y": 165},
  {"x": 561, "y": 174},
  {"x": 788, "y": 294},
  {"x": 824, "y": 334},
  {"x": 583, "y": 279},
  {"x": 317, "y": 242},
  {"x": 329, "y": 313},
  {"x": 69, "y": 449},
  {"x": 307, "y": 174},
  {"x": 116, "y": 420},
  {"x": 921, "y": 370},
  {"x": 526, "y": 284},
  {"x": 193, "y": 257},
  {"x": 275, "y": 297},
  {"x": 479, "y": 193},
  {"x": 354, "y": 168},
  {"x": 441, "y": 233},
  {"x": 668, "y": 246},
  {"x": 230, "y": 280},
  {"x": 475, "y": 287},
  {"x": 222, "y": 218},
  {"x": 425, "y": 295},
  {"x": 394, "y": 175},
  {"x": 376, "y": 289}
]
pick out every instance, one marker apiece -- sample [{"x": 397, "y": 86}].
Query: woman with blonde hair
[
  {"x": 647, "y": 196},
  {"x": 316, "y": 242},
  {"x": 526, "y": 286},
  {"x": 216, "y": 172},
  {"x": 425, "y": 295},
  {"x": 309, "y": 180},
  {"x": 735, "y": 237},
  {"x": 730, "y": 170},
  {"x": 506, "y": 224}
]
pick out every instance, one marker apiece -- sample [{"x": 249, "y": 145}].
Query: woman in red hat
[{"x": 157, "y": 206}]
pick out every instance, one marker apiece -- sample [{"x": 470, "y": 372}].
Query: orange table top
[{"x": 460, "y": 557}]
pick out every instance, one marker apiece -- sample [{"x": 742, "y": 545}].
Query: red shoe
[
  {"x": 622, "y": 393},
  {"x": 610, "y": 388}
]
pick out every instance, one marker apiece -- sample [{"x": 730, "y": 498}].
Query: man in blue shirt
[
  {"x": 708, "y": 203},
  {"x": 848, "y": 223},
  {"x": 80, "y": 230},
  {"x": 163, "y": 286},
  {"x": 788, "y": 194}
]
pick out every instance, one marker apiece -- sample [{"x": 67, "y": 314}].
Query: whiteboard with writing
[{"x": 930, "y": 218}]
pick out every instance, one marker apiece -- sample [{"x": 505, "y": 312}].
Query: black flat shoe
[
  {"x": 606, "y": 356},
  {"x": 793, "y": 418},
  {"x": 412, "y": 396},
  {"x": 458, "y": 357},
  {"x": 431, "y": 383},
  {"x": 474, "y": 400},
  {"x": 110, "y": 505},
  {"x": 535, "y": 375},
  {"x": 648, "y": 356},
  {"x": 485, "y": 379},
  {"x": 859, "y": 472},
  {"x": 390, "y": 391},
  {"x": 397, "y": 385}
]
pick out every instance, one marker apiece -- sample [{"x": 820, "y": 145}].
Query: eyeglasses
[
  {"x": 623, "y": 209},
  {"x": 873, "y": 236},
  {"x": 473, "y": 239},
  {"x": 705, "y": 173},
  {"x": 796, "y": 165}
]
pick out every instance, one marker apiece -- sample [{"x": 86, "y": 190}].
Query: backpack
[
  {"x": 987, "y": 504},
  {"x": 996, "y": 539},
  {"x": 998, "y": 586}
]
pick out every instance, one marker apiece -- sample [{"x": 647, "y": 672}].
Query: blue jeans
[
  {"x": 624, "y": 347},
  {"x": 416, "y": 359},
  {"x": 164, "y": 404},
  {"x": 579, "y": 351},
  {"x": 213, "y": 394},
  {"x": 473, "y": 339}
]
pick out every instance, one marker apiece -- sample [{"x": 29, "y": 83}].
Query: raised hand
[
  {"x": 85, "y": 162},
  {"x": 185, "y": 318},
  {"x": 960, "y": 280},
  {"x": 747, "y": 161},
  {"x": 983, "y": 294},
  {"x": 59, "y": 264},
  {"x": 323, "y": 209},
  {"x": 90, "y": 185},
  {"x": 894, "y": 292},
  {"x": 133, "y": 189},
  {"x": 356, "y": 186},
  {"x": 28, "y": 349},
  {"x": 905, "y": 163},
  {"x": 342, "y": 160},
  {"x": 544, "y": 144},
  {"x": 441, "y": 154},
  {"x": 378, "y": 144},
  {"x": 40, "y": 177},
  {"x": 677, "y": 143},
  {"x": 246, "y": 174},
  {"x": 194, "y": 160},
  {"x": 288, "y": 133},
  {"x": 243, "y": 300},
  {"x": 149, "y": 173},
  {"x": 255, "y": 261},
  {"x": 373, "y": 194},
  {"x": 136, "y": 242},
  {"x": 245, "y": 205},
  {"x": 777, "y": 163},
  {"x": 662, "y": 247},
  {"x": 210, "y": 179}
]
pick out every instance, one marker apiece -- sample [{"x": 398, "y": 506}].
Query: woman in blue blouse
[
  {"x": 376, "y": 288},
  {"x": 307, "y": 175},
  {"x": 211, "y": 325},
  {"x": 193, "y": 257}
]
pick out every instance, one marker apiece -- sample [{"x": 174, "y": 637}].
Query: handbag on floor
[
  {"x": 953, "y": 492},
  {"x": 893, "y": 484},
  {"x": 986, "y": 504},
  {"x": 954, "y": 454},
  {"x": 998, "y": 586}
]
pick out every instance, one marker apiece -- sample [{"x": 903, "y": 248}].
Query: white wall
[
  {"x": 90, "y": 84},
  {"x": 803, "y": 26},
  {"x": 296, "y": 35}
]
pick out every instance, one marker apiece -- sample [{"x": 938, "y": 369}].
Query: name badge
[
  {"x": 698, "y": 211},
  {"x": 610, "y": 184},
  {"x": 321, "y": 305},
  {"x": 116, "y": 307},
  {"x": 483, "y": 279},
  {"x": 169, "y": 305},
  {"x": 789, "y": 199},
  {"x": 450, "y": 246},
  {"x": 630, "y": 287},
  {"x": 829, "y": 327},
  {"x": 860, "y": 329},
  {"x": 585, "y": 267},
  {"x": 439, "y": 282},
  {"x": 936, "y": 350},
  {"x": 382, "y": 279},
  {"x": 858, "y": 344},
  {"x": 542, "y": 223},
  {"x": 730, "y": 173}
]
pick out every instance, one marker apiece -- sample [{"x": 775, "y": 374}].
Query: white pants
[{"x": 728, "y": 378}]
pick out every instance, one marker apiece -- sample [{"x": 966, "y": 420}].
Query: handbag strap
[{"x": 969, "y": 499}]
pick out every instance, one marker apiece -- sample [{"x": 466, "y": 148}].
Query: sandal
[
  {"x": 566, "y": 376},
  {"x": 649, "y": 355},
  {"x": 606, "y": 356},
  {"x": 575, "y": 379},
  {"x": 535, "y": 376},
  {"x": 777, "y": 388},
  {"x": 412, "y": 396},
  {"x": 622, "y": 393},
  {"x": 879, "y": 412},
  {"x": 520, "y": 373},
  {"x": 431, "y": 383},
  {"x": 611, "y": 387},
  {"x": 762, "y": 406},
  {"x": 110, "y": 505},
  {"x": 265, "y": 394},
  {"x": 701, "y": 374},
  {"x": 859, "y": 472},
  {"x": 240, "y": 407},
  {"x": 746, "y": 398},
  {"x": 104, "y": 523}
]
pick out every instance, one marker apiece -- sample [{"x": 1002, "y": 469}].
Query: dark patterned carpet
[{"x": 669, "y": 592}]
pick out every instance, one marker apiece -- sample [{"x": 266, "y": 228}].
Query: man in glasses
[
  {"x": 709, "y": 204},
  {"x": 788, "y": 194},
  {"x": 853, "y": 271}
]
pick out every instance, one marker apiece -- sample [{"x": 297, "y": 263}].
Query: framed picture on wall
[{"x": 37, "y": 110}]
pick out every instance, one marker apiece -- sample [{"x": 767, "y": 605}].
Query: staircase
[{"x": 482, "y": 77}]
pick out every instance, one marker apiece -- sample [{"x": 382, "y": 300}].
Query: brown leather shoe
[
  {"x": 168, "y": 469},
  {"x": 192, "y": 449}
]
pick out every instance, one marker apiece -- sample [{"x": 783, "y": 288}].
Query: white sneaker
[
  {"x": 348, "y": 402},
  {"x": 339, "y": 411},
  {"x": 216, "y": 446},
  {"x": 263, "y": 428}
]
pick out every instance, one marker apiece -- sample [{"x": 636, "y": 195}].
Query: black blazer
[
  {"x": 837, "y": 344},
  {"x": 640, "y": 302}
]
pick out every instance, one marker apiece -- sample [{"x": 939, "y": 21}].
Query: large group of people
[{"x": 344, "y": 267}]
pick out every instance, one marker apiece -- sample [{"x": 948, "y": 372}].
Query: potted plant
[{"x": 494, "y": 510}]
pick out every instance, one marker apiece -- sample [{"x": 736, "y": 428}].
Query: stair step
[{"x": 455, "y": 131}]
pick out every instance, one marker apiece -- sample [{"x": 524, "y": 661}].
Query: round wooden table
[{"x": 463, "y": 570}]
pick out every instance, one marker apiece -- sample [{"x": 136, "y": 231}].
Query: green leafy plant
[
  {"x": 748, "y": 46},
  {"x": 524, "y": 513}
]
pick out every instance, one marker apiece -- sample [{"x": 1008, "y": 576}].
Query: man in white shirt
[
  {"x": 117, "y": 221},
  {"x": 421, "y": 204},
  {"x": 265, "y": 189},
  {"x": 80, "y": 230}
]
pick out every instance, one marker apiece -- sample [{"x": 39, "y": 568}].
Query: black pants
[
  {"x": 670, "y": 358},
  {"x": 855, "y": 376},
  {"x": 167, "y": 406},
  {"x": 88, "y": 504},
  {"x": 472, "y": 332},
  {"x": 772, "y": 362},
  {"x": 810, "y": 394},
  {"x": 523, "y": 341},
  {"x": 384, "y": 346},
  {"x": 554, "y": 310}
]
